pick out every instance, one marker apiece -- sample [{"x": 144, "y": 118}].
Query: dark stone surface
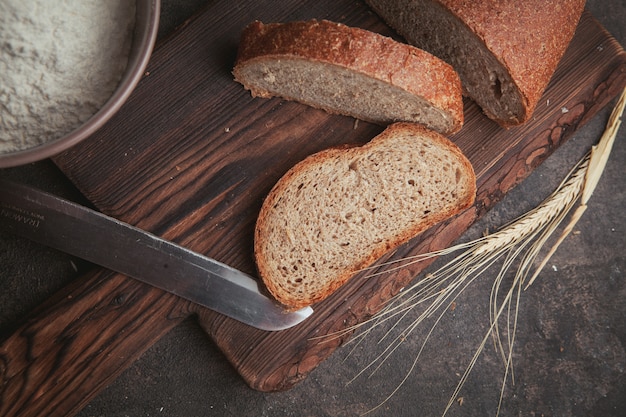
[{"x": 569, "y": 356}]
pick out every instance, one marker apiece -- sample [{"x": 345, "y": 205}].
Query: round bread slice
[
  {"x": 349, "y": 71},
  {"x": 341, "y": 209}
]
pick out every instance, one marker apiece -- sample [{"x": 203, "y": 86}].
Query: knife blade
[{"x": 113, "y": 244}]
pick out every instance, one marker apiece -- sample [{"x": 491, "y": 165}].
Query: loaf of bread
[
  {"x": 339, "y": 210},
  {"x": 349, "y": 71},
  {"x": 505, "y": 51}
]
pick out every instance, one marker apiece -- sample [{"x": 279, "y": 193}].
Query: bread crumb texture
[
  {"x": 349, "y": 71},
  {"x": 339, "y": 210}
]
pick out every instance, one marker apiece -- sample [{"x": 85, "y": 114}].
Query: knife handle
[{"x": 80, "y": 340}]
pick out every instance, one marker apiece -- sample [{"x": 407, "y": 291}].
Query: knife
[{"x": 108, "y": 242}]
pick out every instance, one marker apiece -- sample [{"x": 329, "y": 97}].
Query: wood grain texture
[
  {"x": 51, "y": 365},
  {"x": 191, "y": 156}
]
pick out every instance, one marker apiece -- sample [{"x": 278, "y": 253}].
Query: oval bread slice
[
  {"x": 339, "y": 210},
  {"x": 349, "y": 71}
]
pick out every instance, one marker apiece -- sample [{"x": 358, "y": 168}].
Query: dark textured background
[{"x": 569, "y": 359}]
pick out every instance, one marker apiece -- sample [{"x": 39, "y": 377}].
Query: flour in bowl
[{"x": 60, "y": 61}]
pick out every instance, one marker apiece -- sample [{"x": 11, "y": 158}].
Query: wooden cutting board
[{"x": 191, "y": 156}]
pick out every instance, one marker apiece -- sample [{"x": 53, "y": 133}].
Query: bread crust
[
  {"x": 528, "y": 38},
  {"x": 531, "y": 54},
  {"x": 269, "y": 276},
  {"x": 359, "y": 50}
]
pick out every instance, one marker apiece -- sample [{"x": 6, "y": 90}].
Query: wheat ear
[{"x": 521, "y": 240}]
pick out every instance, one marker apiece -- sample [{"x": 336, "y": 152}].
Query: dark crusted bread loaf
[
  {"x": 505, "y": 51},
  {"x": 349, "y": 71},
  {"x": 339, "y": 210}
]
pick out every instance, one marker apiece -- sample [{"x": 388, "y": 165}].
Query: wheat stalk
[{"x": 520, "y": 242}]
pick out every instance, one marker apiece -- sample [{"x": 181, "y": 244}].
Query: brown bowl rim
[{"x": 147, "y": 18}]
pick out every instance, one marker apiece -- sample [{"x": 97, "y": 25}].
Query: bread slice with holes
[
  {"x": 349, "y": 71},
  {"x": 505, "y": 51},
  {"x": 341, "y": 209}
]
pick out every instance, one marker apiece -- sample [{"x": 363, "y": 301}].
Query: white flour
[{"x": 60, "y": 60}]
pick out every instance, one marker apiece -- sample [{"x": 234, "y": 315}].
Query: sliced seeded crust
[
  {"x": 349, "y": 71},
  {"x": 504, "y": 51},
  {"x": 339, "y": 210}
]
